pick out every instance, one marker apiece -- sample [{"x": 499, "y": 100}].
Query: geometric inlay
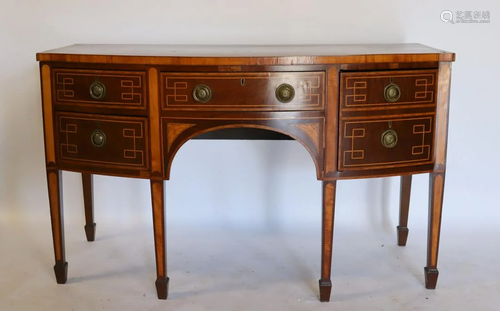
[
  {"x": 124, "y": 141},
  {"x": 124, "y": 88},
  {"x": 174, "y": 130},
  {"x": 357, "y": 86},
  {"x": 415, "y": 88},
  {"x": 65, "y": 81},
  {"x": 68, "y": 129},
  {"x": 356, "y": 154},
  {"x": 248, "y": 90},
  {"x": 306, "y": 88},
  {"x": 177, "y": 86},
  {"x": 132, "y": 153},
  {"x": 416, "y": 135},
  {"x": 425, "y": 83},
  {"x": 130, "y": 84},
  {"x": 421, "y": 129}
]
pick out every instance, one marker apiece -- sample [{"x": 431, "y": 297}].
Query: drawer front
[
  {"x": 103, "y": 140},
  {"x": 385, "y": 143},
  {"x": 387, "y": 88},
  {"x": 110, "y": 89},
  {"x": 243, "y": 91}
]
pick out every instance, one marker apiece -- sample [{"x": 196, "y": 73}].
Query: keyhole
[
  {"x": 390, "y": 124},
  {"x": 242, "y": 82}
]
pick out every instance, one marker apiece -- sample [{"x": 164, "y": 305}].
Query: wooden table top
[{"x": 245, "y": 54}]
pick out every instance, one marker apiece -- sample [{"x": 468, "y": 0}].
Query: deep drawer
[
  {"x": 387, "y": 88},
  {"x": 102, "y": 140},
  {"x": 103, "y": 88},
  {"x": 243, "y": 91},
  {"x": 385, "y": 143}
]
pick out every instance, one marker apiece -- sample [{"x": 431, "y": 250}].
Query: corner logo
[{"x": 466, "y": 17}]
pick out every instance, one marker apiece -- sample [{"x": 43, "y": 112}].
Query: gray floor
[{"x": 240, "y": 269}]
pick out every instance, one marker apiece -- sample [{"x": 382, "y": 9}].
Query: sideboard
[{"x": 361, "y": 111}]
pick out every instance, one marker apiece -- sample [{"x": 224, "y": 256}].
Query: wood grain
[
  {"x": 332, "y": 122},
  {"x": 243, "y": 91},
  {"x": 435, "y": 212},
  {"x": 329, "y": 191},
  {"x": 238, "y": 55},
  {"x": 126, "y": 145},
  {"x": 436, "y": 193},
  {"x": 313, "y": 131},
  {"x": 88, "y": 202},
  {"x": 158, "y": 200},
  {"x": 54, "y": 182},
  {"x": 442, "y": 118},
  {"x": 123, "y": 89},
  {"x": 360, "y": 146},
  {"x": 48, "y": 115},
  {"x": 365, "y": 90},
  {"x": 404, "y": 207},
  {"x": 284, "y": 123},
  {"x": 174, "y": 130},
  {"x": 154, "y": 123},
  {"x": 161, "y": 110}
]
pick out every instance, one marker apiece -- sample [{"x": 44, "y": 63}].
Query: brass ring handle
[
  {"x": 202, "y": 93},
  {"x": 98, "y": 138},
  {"x": 392, "y": 92},
  {"x": 285, "y": 93},
  {"x": 389, "y": 139},
  {"x": 97, "y": 90}
]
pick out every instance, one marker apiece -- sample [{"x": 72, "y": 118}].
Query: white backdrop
[{"x": 256, "y": 184}]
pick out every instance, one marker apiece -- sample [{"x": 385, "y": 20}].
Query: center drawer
[
  {"x": 261, "y": 91},
  {"x": 99, "y": 140}
]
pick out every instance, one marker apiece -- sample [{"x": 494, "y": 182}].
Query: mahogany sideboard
[{"x": 361, "y": 111}]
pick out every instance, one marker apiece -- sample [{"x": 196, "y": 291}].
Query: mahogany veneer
[
  {"x": 361, "y": 111},
  {"x": 242, "y": 92}
]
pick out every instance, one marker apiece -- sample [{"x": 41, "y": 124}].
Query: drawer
[
  {"x": 120, "y": 142},
  {"x": 243, "y": 91},
  {"x": 387, "y": 88},
  {"x": 386, "y": 143},
  {"x": 110, "y": 89}
]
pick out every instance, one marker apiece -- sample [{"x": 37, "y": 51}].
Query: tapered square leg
[
  {"x": 158, "y": 200},
  {"x": 61, "y": 271},
  {"x": 402, "y": 235},
  {"x": 325, "y": 289},
  {"x": 437, "y": 178},
  {"x": 431, "y": 277},
  {"x": 404, "y": 207},
  {"x": 325, "y": 284},
  {"x": 88, "y": 203},
  {"x": 54, "y": 182},
  {"x": 90, "y": 232},
  {"x": 436, "y": 191},
  {"x": 162, "y": 287}
]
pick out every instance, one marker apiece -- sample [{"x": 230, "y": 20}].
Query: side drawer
[
  {"x": 119, "y": 142},
  {"x": 243, "y": 91},
  {"x": 386, "y": 142},
  {"x": 374, "y": 89},
  {"x": 101, "y": 88}
]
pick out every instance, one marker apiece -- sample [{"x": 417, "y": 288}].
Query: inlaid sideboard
[{"x": 361, "y": 111}]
